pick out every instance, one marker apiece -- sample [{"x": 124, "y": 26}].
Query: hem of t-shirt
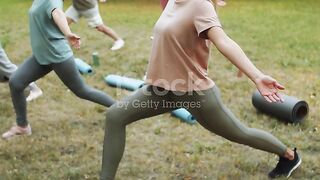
[
  {"x": 48, "y": 62},
  {"x": 211, "y": 25},
  {"x": 211, "y": 85}
]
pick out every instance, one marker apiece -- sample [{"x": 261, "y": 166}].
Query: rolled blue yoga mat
[
  {"x": 292, "y": 110},
  {"x": 134, "y": 84},
  {"x": 123, "y": 82},
  {"x": 184, "y": 115},
  {"x": 83, "y": 67}
]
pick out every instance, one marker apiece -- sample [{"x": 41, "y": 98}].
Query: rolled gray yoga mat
[{"x": 292, "y": 110}]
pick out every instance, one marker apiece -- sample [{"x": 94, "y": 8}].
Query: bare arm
[
  {"x": 233, "y": 53},
  {"x": 61, "y": 21},
  {"x": 267, "y": 86}
]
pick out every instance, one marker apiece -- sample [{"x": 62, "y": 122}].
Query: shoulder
[{"x": 204, "y": 5}]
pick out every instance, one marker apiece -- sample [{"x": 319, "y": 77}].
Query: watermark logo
[{"x": 163, "y": 88}]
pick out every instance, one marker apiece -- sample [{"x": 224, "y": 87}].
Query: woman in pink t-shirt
[{"x": 177, "y": 78}]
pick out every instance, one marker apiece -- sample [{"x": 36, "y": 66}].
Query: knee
[
  {"x": 239, "y": 134},
  {"x": 242, "y": 135},
  {"x": 15, "y": 84},
  {"x": 82, "y": 92},
  {"x": 114, "y": 117}
]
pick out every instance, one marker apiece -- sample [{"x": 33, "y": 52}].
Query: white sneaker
[
  {"x": 221, "y": 3},
  {"x": 17, "y": 130},
  {"x": 34, "y": 94},
  {"x": 118, "y": 44}
]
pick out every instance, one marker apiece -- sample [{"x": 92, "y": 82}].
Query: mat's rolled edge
[
  {"x": 298, "y": 111},
  {"x": 184, "y": 115},
  {"x": 83, "y": 67}
]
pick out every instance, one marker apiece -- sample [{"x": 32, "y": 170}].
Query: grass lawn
[{"x": 281, "y": 37}]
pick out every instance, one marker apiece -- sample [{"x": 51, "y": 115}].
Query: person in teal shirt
[{"x": 51, "y": 38}]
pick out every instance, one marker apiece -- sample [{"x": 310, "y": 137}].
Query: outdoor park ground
[{"x": 282, "y": 39}]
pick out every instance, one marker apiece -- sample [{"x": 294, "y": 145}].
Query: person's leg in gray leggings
[
  {"x": 70, "y": 76},
  {"x": 31, "y": 70},
  {"x": 119, "y": 116},
  {"x": 7, "y": 68},
  {"x": 211, "y": 113},
  {"x": 215, "y": 117}
]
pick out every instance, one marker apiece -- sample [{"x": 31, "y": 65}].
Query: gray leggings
[
  {"x": 67, "y": 71},
  {"x": 207, "y": 108}
]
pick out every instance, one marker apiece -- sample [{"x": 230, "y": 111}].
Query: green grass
[{"x": 281, "y": 37}]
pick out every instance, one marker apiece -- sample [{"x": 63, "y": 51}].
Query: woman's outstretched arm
[{"x": 267, "y": 86}]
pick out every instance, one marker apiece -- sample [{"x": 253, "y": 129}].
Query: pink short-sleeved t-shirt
[{"x": 179, "y": 55}]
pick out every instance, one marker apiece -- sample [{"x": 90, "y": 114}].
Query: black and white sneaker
[{"x": 285, "y": 166}]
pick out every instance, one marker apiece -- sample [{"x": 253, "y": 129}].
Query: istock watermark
[{"x": 160, "y": 104}]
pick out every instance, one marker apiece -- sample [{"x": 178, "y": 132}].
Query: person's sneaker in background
[
  {"x": 221, "y": 3},
  {"x": 34, "y": 94},
  {"x": 118, "y": 44},
  {"x": 17, "y": 130},
  {"x": 285, "y": 166}
]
